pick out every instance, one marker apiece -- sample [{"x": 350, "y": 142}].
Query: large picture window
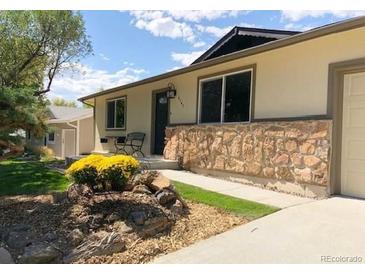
[
  {"x": 116, "y": 112},
  {"x": 226, "y": 98}
]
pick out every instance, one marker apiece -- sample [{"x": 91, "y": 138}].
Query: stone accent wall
[{"x": 296, "y": 151}]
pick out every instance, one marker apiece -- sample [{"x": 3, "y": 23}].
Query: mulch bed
[{"x": 47, "y": 216}]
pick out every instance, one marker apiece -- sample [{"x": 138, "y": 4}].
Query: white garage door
[{"x": 353, "y": 136}]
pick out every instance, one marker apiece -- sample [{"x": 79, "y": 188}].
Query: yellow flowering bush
[
  {"x": 84, "y": 171},
  {"x": 117, "y": 169},
  {"x": 95, "y": 170}
]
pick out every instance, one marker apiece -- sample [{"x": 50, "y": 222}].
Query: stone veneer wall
[{"x": 297, "y": 152}]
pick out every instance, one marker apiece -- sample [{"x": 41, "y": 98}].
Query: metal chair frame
[{"x": 133, "y": 140}]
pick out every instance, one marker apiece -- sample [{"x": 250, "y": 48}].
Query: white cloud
[
  {"x": 213, "y": 30},
  {"x": 297, "y": 27},
  {"x": 82, "y": 80},
  {"x": 199, "y": 44},
  {"x": 219, "y": 32},
  {"x": 126, "y": 63},
  {"x": 247, "y": 25},
  {"x": 186, "y": 58},
  {"x": 104, "y": 57},
  {"x": 199, "y": 15},
  {"x": 167, "y": 27},
  {"x": 180, "y": 24},
  {"x": 297, "y": 15},
  {"x": 173, "y": 68}
]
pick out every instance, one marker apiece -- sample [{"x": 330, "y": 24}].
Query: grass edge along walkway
[{"x": 248, "y": 209}]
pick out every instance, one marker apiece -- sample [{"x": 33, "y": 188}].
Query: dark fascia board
[
  {"x": 248, "y": 31},
  {"x": 298, "y": 38},
  {"x": 271, "y": 31}
]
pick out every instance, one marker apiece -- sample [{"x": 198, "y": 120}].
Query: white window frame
[
  {"x": 123, "y": 98},
  {"x": 54, "y": 139},
  {"x": 223, "y": 77}
]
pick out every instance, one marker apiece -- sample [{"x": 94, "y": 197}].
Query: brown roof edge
[{"x": 301, "y": 37}]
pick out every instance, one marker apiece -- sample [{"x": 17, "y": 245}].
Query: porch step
[{"x": 159, "y": 163}]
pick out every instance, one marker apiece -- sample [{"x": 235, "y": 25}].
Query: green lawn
[
  {"x": 29, "y": 177},
  {"x": 248, "y": 209}
]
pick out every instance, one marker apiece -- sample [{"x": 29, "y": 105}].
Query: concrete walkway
[
  {"x": 299, "y": 234},
  {"x": 273, "y": 198}
]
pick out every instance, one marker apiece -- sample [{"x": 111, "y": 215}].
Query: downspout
[{"x": 94, "y": 123}]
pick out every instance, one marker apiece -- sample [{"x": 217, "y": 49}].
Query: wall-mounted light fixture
[{"x": 171, "y": 90}]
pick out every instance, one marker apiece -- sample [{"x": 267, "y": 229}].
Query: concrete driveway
[{"x": 299, "y": 234}]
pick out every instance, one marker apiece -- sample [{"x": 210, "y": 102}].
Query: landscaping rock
[
  {"x": 78, "y": 192},
  {"x": 121, "y": 227},
  {"x": 21, "y": 227},
  {"x": 113, "y": 217},
  {"x": 101, "y": 243},
  {"x": 155, "y": 225},
  {"x": 59, "y": 197},
  {"x": 144, "y": 178},
  {"x": 41, "y": 253},
  {"x": 76, "y": 237},
  {"x": 5, "y": 257},
  {"x": 50, "y": 236},
  {"x": 166, "y": 197},
  {"x": 138, "y": 217},
  {"x": 128, "y": 187},
  {"x": 177, "y": 208},
  {"x": 141, "y": 189},
  {"x": 160, "y": 182},
  {"x": 19, "y": 236},
  {"x": 97, "y": 220}
]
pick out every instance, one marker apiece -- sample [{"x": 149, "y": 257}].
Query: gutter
[
  {"x": 298, "y": 38},
  {"x": 71, "y": 125}
]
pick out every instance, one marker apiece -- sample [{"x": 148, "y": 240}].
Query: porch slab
[{"x": 252, "y": 193}]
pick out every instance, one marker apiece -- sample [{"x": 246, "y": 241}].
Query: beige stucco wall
[
  {"x": 86, "y": 137},
  {"x": 57, "y": 146},
  {"x": 290, "y": 81}
]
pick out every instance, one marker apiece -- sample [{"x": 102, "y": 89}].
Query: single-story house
[
  {"x": 279, "y": 109},
  {"x": 72, "y": 132}
]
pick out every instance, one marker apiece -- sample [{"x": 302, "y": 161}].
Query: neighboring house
[
  {"x": 283, "y": 110},
  {"x": 72, "y": 132}
]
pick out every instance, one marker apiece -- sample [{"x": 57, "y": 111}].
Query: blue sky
[{"x": 132, "y": 45}]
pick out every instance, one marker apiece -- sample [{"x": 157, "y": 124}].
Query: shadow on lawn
[{"x": 29, "y": 177}]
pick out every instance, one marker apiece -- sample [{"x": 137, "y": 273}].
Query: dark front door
[{"x": 161, "y": 120}]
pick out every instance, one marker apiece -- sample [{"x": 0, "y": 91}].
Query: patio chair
[{"x": 133, "y": 141}]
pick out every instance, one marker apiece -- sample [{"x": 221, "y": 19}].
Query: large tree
[
  {"x": 64, "y": 103},
  {"x": 34, "y": 47}
]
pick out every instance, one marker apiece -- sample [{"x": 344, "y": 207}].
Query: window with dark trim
[
  {"x": 115, "y": 111},
  {"x": 50, "y": 138},
  {"x": 226, "y": 98}
]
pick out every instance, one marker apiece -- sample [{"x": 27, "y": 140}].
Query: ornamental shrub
[
  {"x": 84, "y": 171},
  {"x": 96, "y": 170},
  {"x": 116, "y": 170}
]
